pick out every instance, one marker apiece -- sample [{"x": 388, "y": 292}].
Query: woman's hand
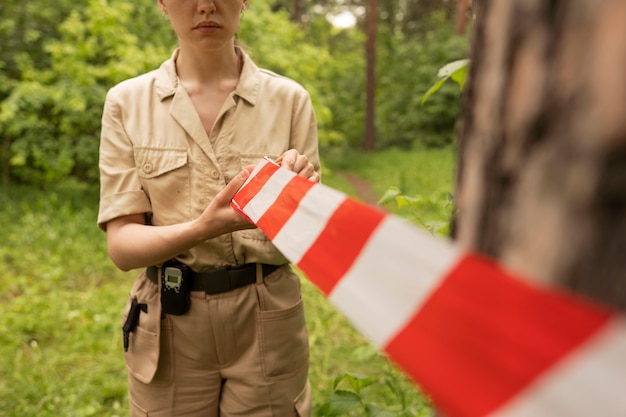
[
  {"x": 133, "y": 244},
  {"x": 294, "y": 161},
  {"x": 219, "y": 217}
]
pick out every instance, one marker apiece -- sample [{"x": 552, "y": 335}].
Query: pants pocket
[
  {"x": 136, "y": 410},
  {"x": 142, "y": 356},
  {"x": 283, "y": 341},
  {"x": 303, "y": 402}
]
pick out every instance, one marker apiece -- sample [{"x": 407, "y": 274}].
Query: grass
[
  {"x": 61, "y": 300},
  {"x": 426, "y": 176}
]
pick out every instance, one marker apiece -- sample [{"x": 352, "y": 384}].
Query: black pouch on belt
[
  {"x": 132, "y": 320},
  {"x": 175, "y": 287}
]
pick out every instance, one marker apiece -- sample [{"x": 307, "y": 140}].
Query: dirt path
[{"x": 362, "y": 188}]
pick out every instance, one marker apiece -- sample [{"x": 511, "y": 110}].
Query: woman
[{"x": 214, "y": 325}]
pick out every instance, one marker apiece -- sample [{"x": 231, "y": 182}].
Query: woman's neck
[{"x": 208, "y": 68}]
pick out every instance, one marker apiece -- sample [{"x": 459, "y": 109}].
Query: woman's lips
[{"x": 207, "y": 26}]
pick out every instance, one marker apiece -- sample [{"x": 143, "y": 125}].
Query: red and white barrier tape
[{"x": 478, "y": 339}]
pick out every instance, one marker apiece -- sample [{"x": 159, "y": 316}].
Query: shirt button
[
  {"x": 147, "y": 167},
  {"x": 215, "y": 175}
]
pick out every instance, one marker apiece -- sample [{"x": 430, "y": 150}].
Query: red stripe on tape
[
  {"x": 251, "y": 189},
  {"x": 285, "y": 205},
  {"x": 484, "y": 335},
  {"x": 340, "y": 243}
]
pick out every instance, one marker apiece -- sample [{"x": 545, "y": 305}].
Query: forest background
[
  {"x": 60, "y": 295},
  {"x": 58, "y": 60}
]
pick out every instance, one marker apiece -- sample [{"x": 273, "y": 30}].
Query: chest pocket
[
  {"x": 164, "y": 176},
  {"x": 153, "y": 162}
]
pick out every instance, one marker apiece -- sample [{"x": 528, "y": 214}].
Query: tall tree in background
[
  {"x": 412, "y": 18},
  {"x": 542, "y": 175},
  {"x": 370, "y": 51},
  {"x": 296, "y": 14},
  {"x": 408, "y": 41}
]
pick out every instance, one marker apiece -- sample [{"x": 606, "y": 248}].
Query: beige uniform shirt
[{"x": 156, "y": 157}]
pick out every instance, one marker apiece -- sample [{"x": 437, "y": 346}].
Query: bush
[
  {"x": 406, "y": 71},
  {"x": 50, "y": 118}
]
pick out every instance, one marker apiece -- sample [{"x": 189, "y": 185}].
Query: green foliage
[
  {"x": 24, "y": 28},
  {"x": 52, "y": 116},
  {"x": 344, "y": 87},
  {"x": 405, "y": 71},
  {"x": 60, "y": 307},
  {"x": 427, "y": 174},
  {"x": 350, "y": 398},
  {"x": 343, "y": 402},
  {"x": 456, "y": 70},
  {"x": 417, "y": 205}
]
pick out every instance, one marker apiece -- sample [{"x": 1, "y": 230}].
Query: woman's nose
[{"x": 206, "y": 6}]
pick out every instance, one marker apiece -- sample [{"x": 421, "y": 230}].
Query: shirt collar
[
  {"x": 166, "y": 79},
  {"x": 249, "y": 79},
  {"x": 247, "y": 87}
]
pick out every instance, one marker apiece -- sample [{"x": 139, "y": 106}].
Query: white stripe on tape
[
  {"x": 307, "y": 222},
  {"x": 268, "y": 194},
  {"x": 381, "y": 292}
]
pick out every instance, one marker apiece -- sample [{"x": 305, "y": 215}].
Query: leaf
[
  {"x": 453, "y": 67},
  {"x": 457, "y": 70},
  {"x": 356, "y": 381},
  {"x": 432, "y": 90},
  {"x": 389, "y": 195},
  {"x": 340, "y": 403},
  {"x": 459, "y": 76},
  {"x": 440, "y": 228},
  {"x": 374, "y": 411},
  {"x": 405, "y": 200}
]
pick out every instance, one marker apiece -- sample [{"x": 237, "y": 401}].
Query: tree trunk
[
  {"x": 370, "y": 52},
  {"x": 542, "y": 170},
  {"x": 5, "y": 160},
  {"x": 296, "y": 13}
]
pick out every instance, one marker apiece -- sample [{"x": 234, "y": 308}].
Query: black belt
[{"x": 219, "y": 280}]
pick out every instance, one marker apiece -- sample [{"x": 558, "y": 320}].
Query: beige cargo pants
[{"x": 239, "y": 353}]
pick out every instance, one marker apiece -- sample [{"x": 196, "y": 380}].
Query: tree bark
[
  {"x": 542, "y": 169},
  {"x": 296, "y": 13},
  {"x": 370, "y": 52},
  {"x": 5, "y": 160},
  {"x": 462, "y": 7}
]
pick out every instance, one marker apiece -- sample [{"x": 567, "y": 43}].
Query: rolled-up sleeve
[{"x": 121, "y": 192}]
